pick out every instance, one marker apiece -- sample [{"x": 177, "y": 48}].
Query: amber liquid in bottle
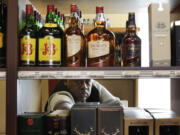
[
  {"x": 50, "y": 41},
  {"x": 74, "y": 42},
  {"x": 100, "y": 43},
  {"x": 131, "y": 47}
]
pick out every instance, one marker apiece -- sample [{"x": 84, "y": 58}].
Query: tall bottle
[
  {"x": 74, "y": 42},
  {"x": 28, "y": 40},
  {"x": 131, "y": 47},
  {"x": 100, "y": 43},
  {"x": 3, "y": 20},
  {"x": 50, "y": 41}
]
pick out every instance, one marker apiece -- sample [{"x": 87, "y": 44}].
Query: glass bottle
[
  {"x": 28, "y": 40},
  {"x": 131, "y": 47},
  {"x": 74, "y": 42},
  {"x": 50, "y": 41},
  {"x": 100, "y": 43}
]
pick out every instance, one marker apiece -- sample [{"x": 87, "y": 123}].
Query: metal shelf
[{"x": 98, "y": 73}]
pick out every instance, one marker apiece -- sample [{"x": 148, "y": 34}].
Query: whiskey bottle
[
  {"x": 100, "y": 43},
  {"x": 3, "y": 19},
  {"x": 131, "y": 47},
  {"x": 50, "y": 41},
  {"x": 74, "y": 42},
  {"x": 28, "y": 40}
]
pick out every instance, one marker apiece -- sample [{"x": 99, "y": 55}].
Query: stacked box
[
  {"x": 175, "y": 44},
  {"x": 57, "y": 123},
  {"x": 110, "y": 120},
  {"x": 31, "y": 124},
  {"x": 137, "y": 122},
  {"x": 159, "y": 34},
  {"x": 84, "y": 119}
]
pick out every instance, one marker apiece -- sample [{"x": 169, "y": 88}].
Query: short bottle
[
  {"x": 131, "y": 47},
  {"x": 100, "y": 43},
  {"x": 74, "y": 42},
  {"x": 28, "y": 40},
  {"x": 50, "y": 41}
]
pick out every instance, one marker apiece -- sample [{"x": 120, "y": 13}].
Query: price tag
[
  {"x": 161, "y": 73},
  {"x": 131, "y": 74},
  {"x": 147, "y": 73},
  {"x": 2, "y": 75}
]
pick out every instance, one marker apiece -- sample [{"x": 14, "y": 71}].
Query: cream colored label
[
  {"x": 73, "y": 45},
  {"x": 28, "y": 48},
  {"x": 1, "y": 40},
  {"x": 49, "y": 49},
  {"x": 98, "y": 48}
]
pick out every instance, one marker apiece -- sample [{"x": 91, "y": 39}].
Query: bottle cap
[
  {"x": 55, "y": 10},
  {"x": 29, "y": 9},
  {"x": 50, "y": 8},
  {"x": 73, "y": 7},
  {"x": 99, "y": 9},
  {"x": 59, "y": 14},
  {"x": 131, "y": 20}
]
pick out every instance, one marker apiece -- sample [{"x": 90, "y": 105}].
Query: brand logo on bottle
[
  {"x": 161, "y": 25},
  {"x": 50, "y": 25},
  {"x": 30, "y": 122},
  {"x": 28, "y": 46},
  {"x": 49, "y": 49},
  {"x": 1, "y": 40}
]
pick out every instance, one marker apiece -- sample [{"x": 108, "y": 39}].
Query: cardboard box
[
  {"x": 84, "y": 119},
  {"x": 159, "y": 34},
  {"x": 137, "y": 121},
  {"x": 110, "y": 120}
]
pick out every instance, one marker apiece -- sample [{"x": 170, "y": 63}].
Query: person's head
[{"x": 80, "y": 89}]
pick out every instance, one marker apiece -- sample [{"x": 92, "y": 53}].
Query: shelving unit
[{"x": 12, "y": 73}]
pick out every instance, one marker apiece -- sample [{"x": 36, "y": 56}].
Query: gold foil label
[
  {"x": 49, "y": 49},
  {"x": 50, "y": 25}
]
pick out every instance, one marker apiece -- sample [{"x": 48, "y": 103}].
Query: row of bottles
[
  {"x": 51, "y": 46},
  {"x": 3, "y": 18}
]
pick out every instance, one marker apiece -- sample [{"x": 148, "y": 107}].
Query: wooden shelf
[{"x": 97, "y": 73}]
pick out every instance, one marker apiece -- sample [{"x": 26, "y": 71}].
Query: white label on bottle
[
  {"x": 98, "y": 48},
  {"x": 73, "y": 45}
]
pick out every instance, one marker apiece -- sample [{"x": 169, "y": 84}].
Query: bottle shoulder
[
  {"x": 54, "y": 31},
  {"x": 100, "y": 31},
  {"x": 74, "y": 30},
  {"x": 28, "y": 31}
]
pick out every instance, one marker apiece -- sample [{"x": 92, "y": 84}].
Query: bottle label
[
  {"x": 73, "y": 45},
  {"x": 1, "y": 39},
  {"x": 49, "y": 49},
  {"x": 28, "y": 48},
  {"x": 133, "y": 54},
  {"x": 50, "y": 25},
  {"x": 98, "y": 48}
]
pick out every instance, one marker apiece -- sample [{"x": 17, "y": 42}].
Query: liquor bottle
[
  {"x": 74, "y": 42},
  {"x": 100, "y": 43},
  {"x": 3, "y": 19},
  {"x": 131, "y": 47},
  {"x": 28, "y": 40},
  {"x": 50, "y": 41}
]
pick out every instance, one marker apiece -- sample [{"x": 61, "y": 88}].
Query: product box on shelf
[
  {"x": 175, "y": 43},
  {"x": 166, "y": 123},
  {"x": 58, "y": 123},
  {"x": 31, "y": 123},
  {"x": 137, "y": 121},
  {"x": 159, "y": 34},
  {"x": 84, "y": 119},
  {"x": 110, "y": 120}
]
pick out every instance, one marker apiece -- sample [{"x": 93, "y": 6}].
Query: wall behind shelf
[{"x": 2, "y": 107}]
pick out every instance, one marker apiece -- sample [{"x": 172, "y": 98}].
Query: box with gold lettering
[
  {"x": 84, "y": 119},
  {"x": 110, "y": 120}
]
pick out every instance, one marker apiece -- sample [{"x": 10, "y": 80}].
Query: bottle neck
[
  {"x": 132, "y": 29},
  {"x": 100, "y": 20},
  {"x": 73, "y": 19},
  {"x": 29, "y": 20},
  {"x": 50, "y": 17}
]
